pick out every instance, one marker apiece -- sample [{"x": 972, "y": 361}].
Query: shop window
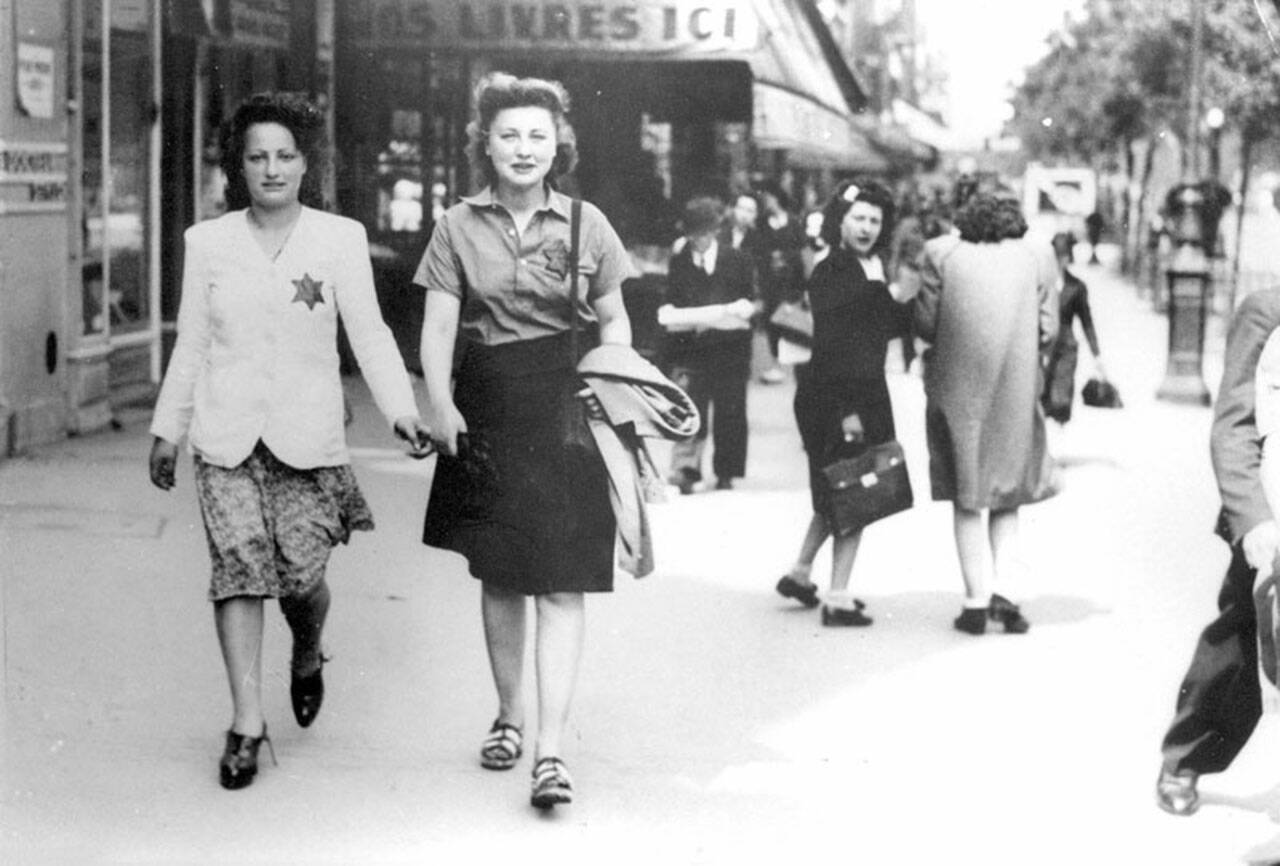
[
  {"x": 118, "y": 115},
  {"x": 400, "y": 186}
]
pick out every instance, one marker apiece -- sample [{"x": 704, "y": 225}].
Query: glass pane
[
  {"x": 92, "y": 228},
  {"x": 130, "y": 119}
]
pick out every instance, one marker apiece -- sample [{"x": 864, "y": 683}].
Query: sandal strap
[
  {"x": 551, "y": 771},
  {"x": 503, "y": 738}
]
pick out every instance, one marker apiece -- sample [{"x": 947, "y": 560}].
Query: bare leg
[
  {"x": 844, "y": 553},
  {"x": 306, "y": 614},
  {"x": 561, "y": 621},
  {"x": 239, "y": 625},
  {"x": 1003, "y": 533},
  {"x": 975, "y": 556},
  {"x": 504, "y": 630},
  {"x": 814, "y": 537}
]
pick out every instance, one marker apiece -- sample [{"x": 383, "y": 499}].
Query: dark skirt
[
  {"x": 821, "y": 406},
  {"x": 1060, "y": 382},
  {"x": 527, "y": 500}
]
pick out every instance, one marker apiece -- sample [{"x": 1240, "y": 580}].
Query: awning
[{"x": 812, "y": 135}]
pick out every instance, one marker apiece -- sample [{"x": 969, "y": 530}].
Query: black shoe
[
  {"x": 1008, "y": 614},
  {"x": 805, "y": 593},
  {"x": 724, "y": 484},
  {"x": 1176, "y": 792},
  {"x": 307, "y": 693},
  {"x": 845, "y": 615},
  {"x": 239, "y": 762},
  {"x": 685, "y": 480},
  {"x": 972, "y": 620}
]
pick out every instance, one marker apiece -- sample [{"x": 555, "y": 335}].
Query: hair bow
[{"x": 851, "y": 193}]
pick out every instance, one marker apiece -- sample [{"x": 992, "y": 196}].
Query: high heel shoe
[
  {"x": 307, "y": 693},
  {"x": 1008, "y": 615},
  {"x": 240, "y": 759}
]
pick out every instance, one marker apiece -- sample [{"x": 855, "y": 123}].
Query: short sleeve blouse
[{"x": 515, "y": 286}]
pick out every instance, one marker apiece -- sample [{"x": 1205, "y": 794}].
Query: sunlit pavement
[{"x": 715, "y": 722}]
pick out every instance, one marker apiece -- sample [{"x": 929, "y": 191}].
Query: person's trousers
[
  {"x": 1220, "y": 700},
  {"x": 720, "y": 394}
]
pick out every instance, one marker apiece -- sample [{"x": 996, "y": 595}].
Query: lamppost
[{"x": 1193, "y": 221}]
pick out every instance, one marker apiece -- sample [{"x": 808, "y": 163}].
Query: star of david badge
[
  {"x": 557, "y": 256},
  {"x": 308, "y": 291}
]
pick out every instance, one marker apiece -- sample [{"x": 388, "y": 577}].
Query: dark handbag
[
  {"x": 1102, "y": 394},
  {"x": 794, "y": 321},
  {"x": 866, "y": 488}
]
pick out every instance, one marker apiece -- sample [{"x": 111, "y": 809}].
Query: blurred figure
[
  {"x": 1219, "y": 702},
  {"x": 740, "y": 231},
  {"x": 1073, "y": 303},
  {"x": 988, "y": 306},
  {"x": 842, "y": 399},
  {"x": 781, "y": 269},
  {"x": 1094, "y": 223},
  {"x": 712, "y": 298}
]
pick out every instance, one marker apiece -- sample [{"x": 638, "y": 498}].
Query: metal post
[{"x": 1188, "y": 283}]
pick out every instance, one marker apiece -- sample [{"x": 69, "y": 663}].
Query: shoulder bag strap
[{"x": 575, "y": 229}]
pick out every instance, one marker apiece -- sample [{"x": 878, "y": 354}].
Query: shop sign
[
  {"x": 260, "y": 22},
  {"x": 35, "y": 80},
  {"x": 33, "y": 177},
  {"x": 666, "y": 26}
]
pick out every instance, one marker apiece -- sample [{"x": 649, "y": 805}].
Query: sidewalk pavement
[{"x": 714, "y": 722}]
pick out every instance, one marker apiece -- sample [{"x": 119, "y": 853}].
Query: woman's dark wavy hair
[
  {"x": 500, "y": 90},
  {"x": 989, "y": 219},
  {"x": 296, "y": 113},
  {"x": 869, "y": 191}
]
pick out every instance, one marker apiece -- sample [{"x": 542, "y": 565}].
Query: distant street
[{"x": 715, "y": 723}]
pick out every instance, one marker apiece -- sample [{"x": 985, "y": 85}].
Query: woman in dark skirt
[
  {"x": 842, "y": 399},
  {"x": 520, "y": 489}
]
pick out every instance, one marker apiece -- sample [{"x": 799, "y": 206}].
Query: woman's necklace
[{"x": 272, "y": 239}]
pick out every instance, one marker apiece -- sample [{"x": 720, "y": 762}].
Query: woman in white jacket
[{"x": 254, "y": 386}]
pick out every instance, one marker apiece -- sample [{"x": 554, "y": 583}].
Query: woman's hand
[
  {"x": 445, "y": 423},
  {"x": 411, "y": 429},
  {"x": 164, "y": 457},
  {"x": 851, "y": 427}
]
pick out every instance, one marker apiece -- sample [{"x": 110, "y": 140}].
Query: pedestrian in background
[
  {"x": 1219, "y": 701},
  {"x": 1060, "y": 372},
  {"x": 520, "y": 489},
  {"x": 711, "y": 301},
  {"x": 988, "y": 305},
  {"x": 740, "y": 232},
  {"x": 842, "y": 401},
  {"x": 254, "y": 386},
  {"x": 781, "y": 267}
]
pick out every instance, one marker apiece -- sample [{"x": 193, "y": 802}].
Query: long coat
[{"x": 988, "y": 310}]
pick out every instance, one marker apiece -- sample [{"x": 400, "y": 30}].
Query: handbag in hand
[
  {"x": 866, "y": 488},
  {"x": 794, "y": 321},
  {"x": 1102, "y": 394}
]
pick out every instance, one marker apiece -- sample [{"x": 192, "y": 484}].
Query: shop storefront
[{"x": 108, "y": 151}]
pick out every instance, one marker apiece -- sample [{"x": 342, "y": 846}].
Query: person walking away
[
  {"x": 842, "y": 403},
  {"x": 1073, "y": 304},
  {"x": 781, "y": 267},
  {"x": 254, "y": 387},
  {"x": 988, "y": 305},
  {"x": 711, "y": 300},
  {"x": 520, "y": 488},
  {"x": 1219, "y": 701}
]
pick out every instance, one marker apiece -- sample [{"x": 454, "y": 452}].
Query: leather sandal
[
  {"x": 552, "y": 785},
  {"x": 1008, "y": 615},
  {"x": 805, "y": 593},
  {"x": 502, "y": 748}
]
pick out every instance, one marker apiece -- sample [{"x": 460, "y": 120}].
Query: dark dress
[
  {"x": 853, "y": 321},
  {"x": 1060, "y": 377}
]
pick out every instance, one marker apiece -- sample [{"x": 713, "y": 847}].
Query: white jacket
[{"x": 257, "y": 353}]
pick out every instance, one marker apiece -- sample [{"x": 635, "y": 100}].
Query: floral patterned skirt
[{"x": 271, "y": 527}]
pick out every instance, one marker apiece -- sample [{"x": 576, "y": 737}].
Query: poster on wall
[{"x": 35, "y": 80}]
